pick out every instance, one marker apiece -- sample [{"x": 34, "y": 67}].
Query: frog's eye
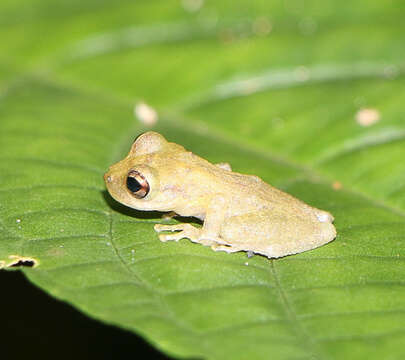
[{"x": 137, "y": 184}]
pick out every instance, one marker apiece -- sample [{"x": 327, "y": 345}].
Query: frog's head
[{"x": 135, "y": 181}]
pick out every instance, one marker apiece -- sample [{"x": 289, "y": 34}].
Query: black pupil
[{"x": 133, "y": 185}]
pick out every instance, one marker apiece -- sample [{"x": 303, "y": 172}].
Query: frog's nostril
[{"x": 107, "y": 178}]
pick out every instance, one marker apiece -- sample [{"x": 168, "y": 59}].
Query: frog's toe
[
  {"x": 179, "y": 231},
  {"x": 162, "y": 227},
  {"x": 170, "y": 237},
  {"x": 176, "y": 227},
  {"x": 226, "y": 248}
]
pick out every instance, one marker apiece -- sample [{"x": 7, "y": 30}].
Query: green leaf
[{"x": 274, "y": 88}]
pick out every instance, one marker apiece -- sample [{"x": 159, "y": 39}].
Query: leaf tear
[{"x": 17, "y": 261}]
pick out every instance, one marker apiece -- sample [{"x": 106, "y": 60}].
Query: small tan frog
[{"x": 239, "y": 212}]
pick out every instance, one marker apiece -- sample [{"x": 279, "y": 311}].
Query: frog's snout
[{"x": 109, "y": 177}]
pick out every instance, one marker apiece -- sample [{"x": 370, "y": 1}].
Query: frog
[{"x": 238, "y": 212}]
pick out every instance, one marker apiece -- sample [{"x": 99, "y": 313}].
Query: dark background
[{"x": 64, "y": 333}]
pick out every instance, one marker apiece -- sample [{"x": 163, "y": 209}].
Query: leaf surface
[{"x": 275, "y": 89}]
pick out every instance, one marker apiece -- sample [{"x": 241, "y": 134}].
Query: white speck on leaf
[
  {"x": 367, "y": 116},
  {"x": 145, "y": 114},
  {"x": 18, "y": 221}
]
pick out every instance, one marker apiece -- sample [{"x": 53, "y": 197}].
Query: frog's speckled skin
[{"x": 240, "y": 212}]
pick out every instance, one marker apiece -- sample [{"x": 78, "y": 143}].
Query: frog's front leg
[
  {"x": 208, "y": 235},
  {"x": 181, "y": 231}
]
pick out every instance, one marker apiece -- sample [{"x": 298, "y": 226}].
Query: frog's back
[
  {"x": 250, "y": 193},
  {"x": 254, "y": 189}
]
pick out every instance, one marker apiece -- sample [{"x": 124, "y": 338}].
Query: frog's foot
[
  {"x": 226, "y": 248},
  {"x": 179, "y": 231}
]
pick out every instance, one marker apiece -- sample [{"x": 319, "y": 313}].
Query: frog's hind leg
[{"x": 276, "y": 233}]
